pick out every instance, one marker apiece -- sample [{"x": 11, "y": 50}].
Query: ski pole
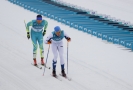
[
  {"x": 25, "y": 23},
  {"x": 67, "y": 57},
  {"x": 46, "y": 59}
]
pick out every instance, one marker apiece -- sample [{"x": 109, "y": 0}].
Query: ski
[
  {"x": 36, "y": 66},
  {"x": 57, "y": 77},
  {"x": 68, "y": 78},
  {"x": 45, "y": 66}
]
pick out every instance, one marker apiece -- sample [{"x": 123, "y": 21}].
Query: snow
[
  {"x": 117, "y": 9},
  {"x": 93, "y": 64}
]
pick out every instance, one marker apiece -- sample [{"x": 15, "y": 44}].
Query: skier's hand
[
  {"x": 28, "y": 35},
  {"x": 44, "y": 32},
  {"x": 49, "y": 42},
  {"x": 68, "y": 39}
]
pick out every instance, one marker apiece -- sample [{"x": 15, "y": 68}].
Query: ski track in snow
[{"x": 16, "y": 73}]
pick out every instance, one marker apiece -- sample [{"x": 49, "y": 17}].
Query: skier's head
[
  {"x": 39, "y": 18},
  {"x": 57, "y": 30}
]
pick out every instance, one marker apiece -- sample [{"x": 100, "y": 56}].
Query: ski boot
[
  {"x": 63, "y": 73},
  {"x": 63, "y": 70},
  {"x": 35, "y": 62},
  {"x": 42, "y": 61},
  {"x": 54, "y": 73}
]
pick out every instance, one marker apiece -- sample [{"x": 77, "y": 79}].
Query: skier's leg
[
  {"x": 34, "y": 42},
  {"x": 61, "y": 51},
  {"x": 54, "y": 50},
  {"x": 40, "y": 41}
]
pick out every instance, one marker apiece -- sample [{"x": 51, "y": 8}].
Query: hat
[
  {"x": 39, "y": 17},
  {"x": 57, "y": 28}
]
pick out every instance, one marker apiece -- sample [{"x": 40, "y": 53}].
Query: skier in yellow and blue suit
[{"x": 38, "y": 30}]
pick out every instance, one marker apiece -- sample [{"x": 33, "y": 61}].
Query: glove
[
  {"x": 44, "y": 32},
  {"x": 49, "y": 42},
  {"x": 68, "y": 39},
  {"x": 28, "y": 35}
]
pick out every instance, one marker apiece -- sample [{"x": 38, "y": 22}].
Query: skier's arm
[
  {"x": 48, "y": 39},
  {"x": 67, "y": 37},
  {"x": 28, "y": 25},
  {"x": 45, "y": 27}
]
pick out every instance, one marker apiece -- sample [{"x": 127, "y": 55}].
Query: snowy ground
[
  {"x": 93, "y": 63},
  {"x": 119, "y": 9}
]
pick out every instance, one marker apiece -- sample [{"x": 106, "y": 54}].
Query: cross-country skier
[
  {"x": 56, "y": 41},
  {"x": 38, "y": 30}
]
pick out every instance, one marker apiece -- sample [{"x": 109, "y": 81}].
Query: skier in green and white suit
[{"x": 38, "y": 30}]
